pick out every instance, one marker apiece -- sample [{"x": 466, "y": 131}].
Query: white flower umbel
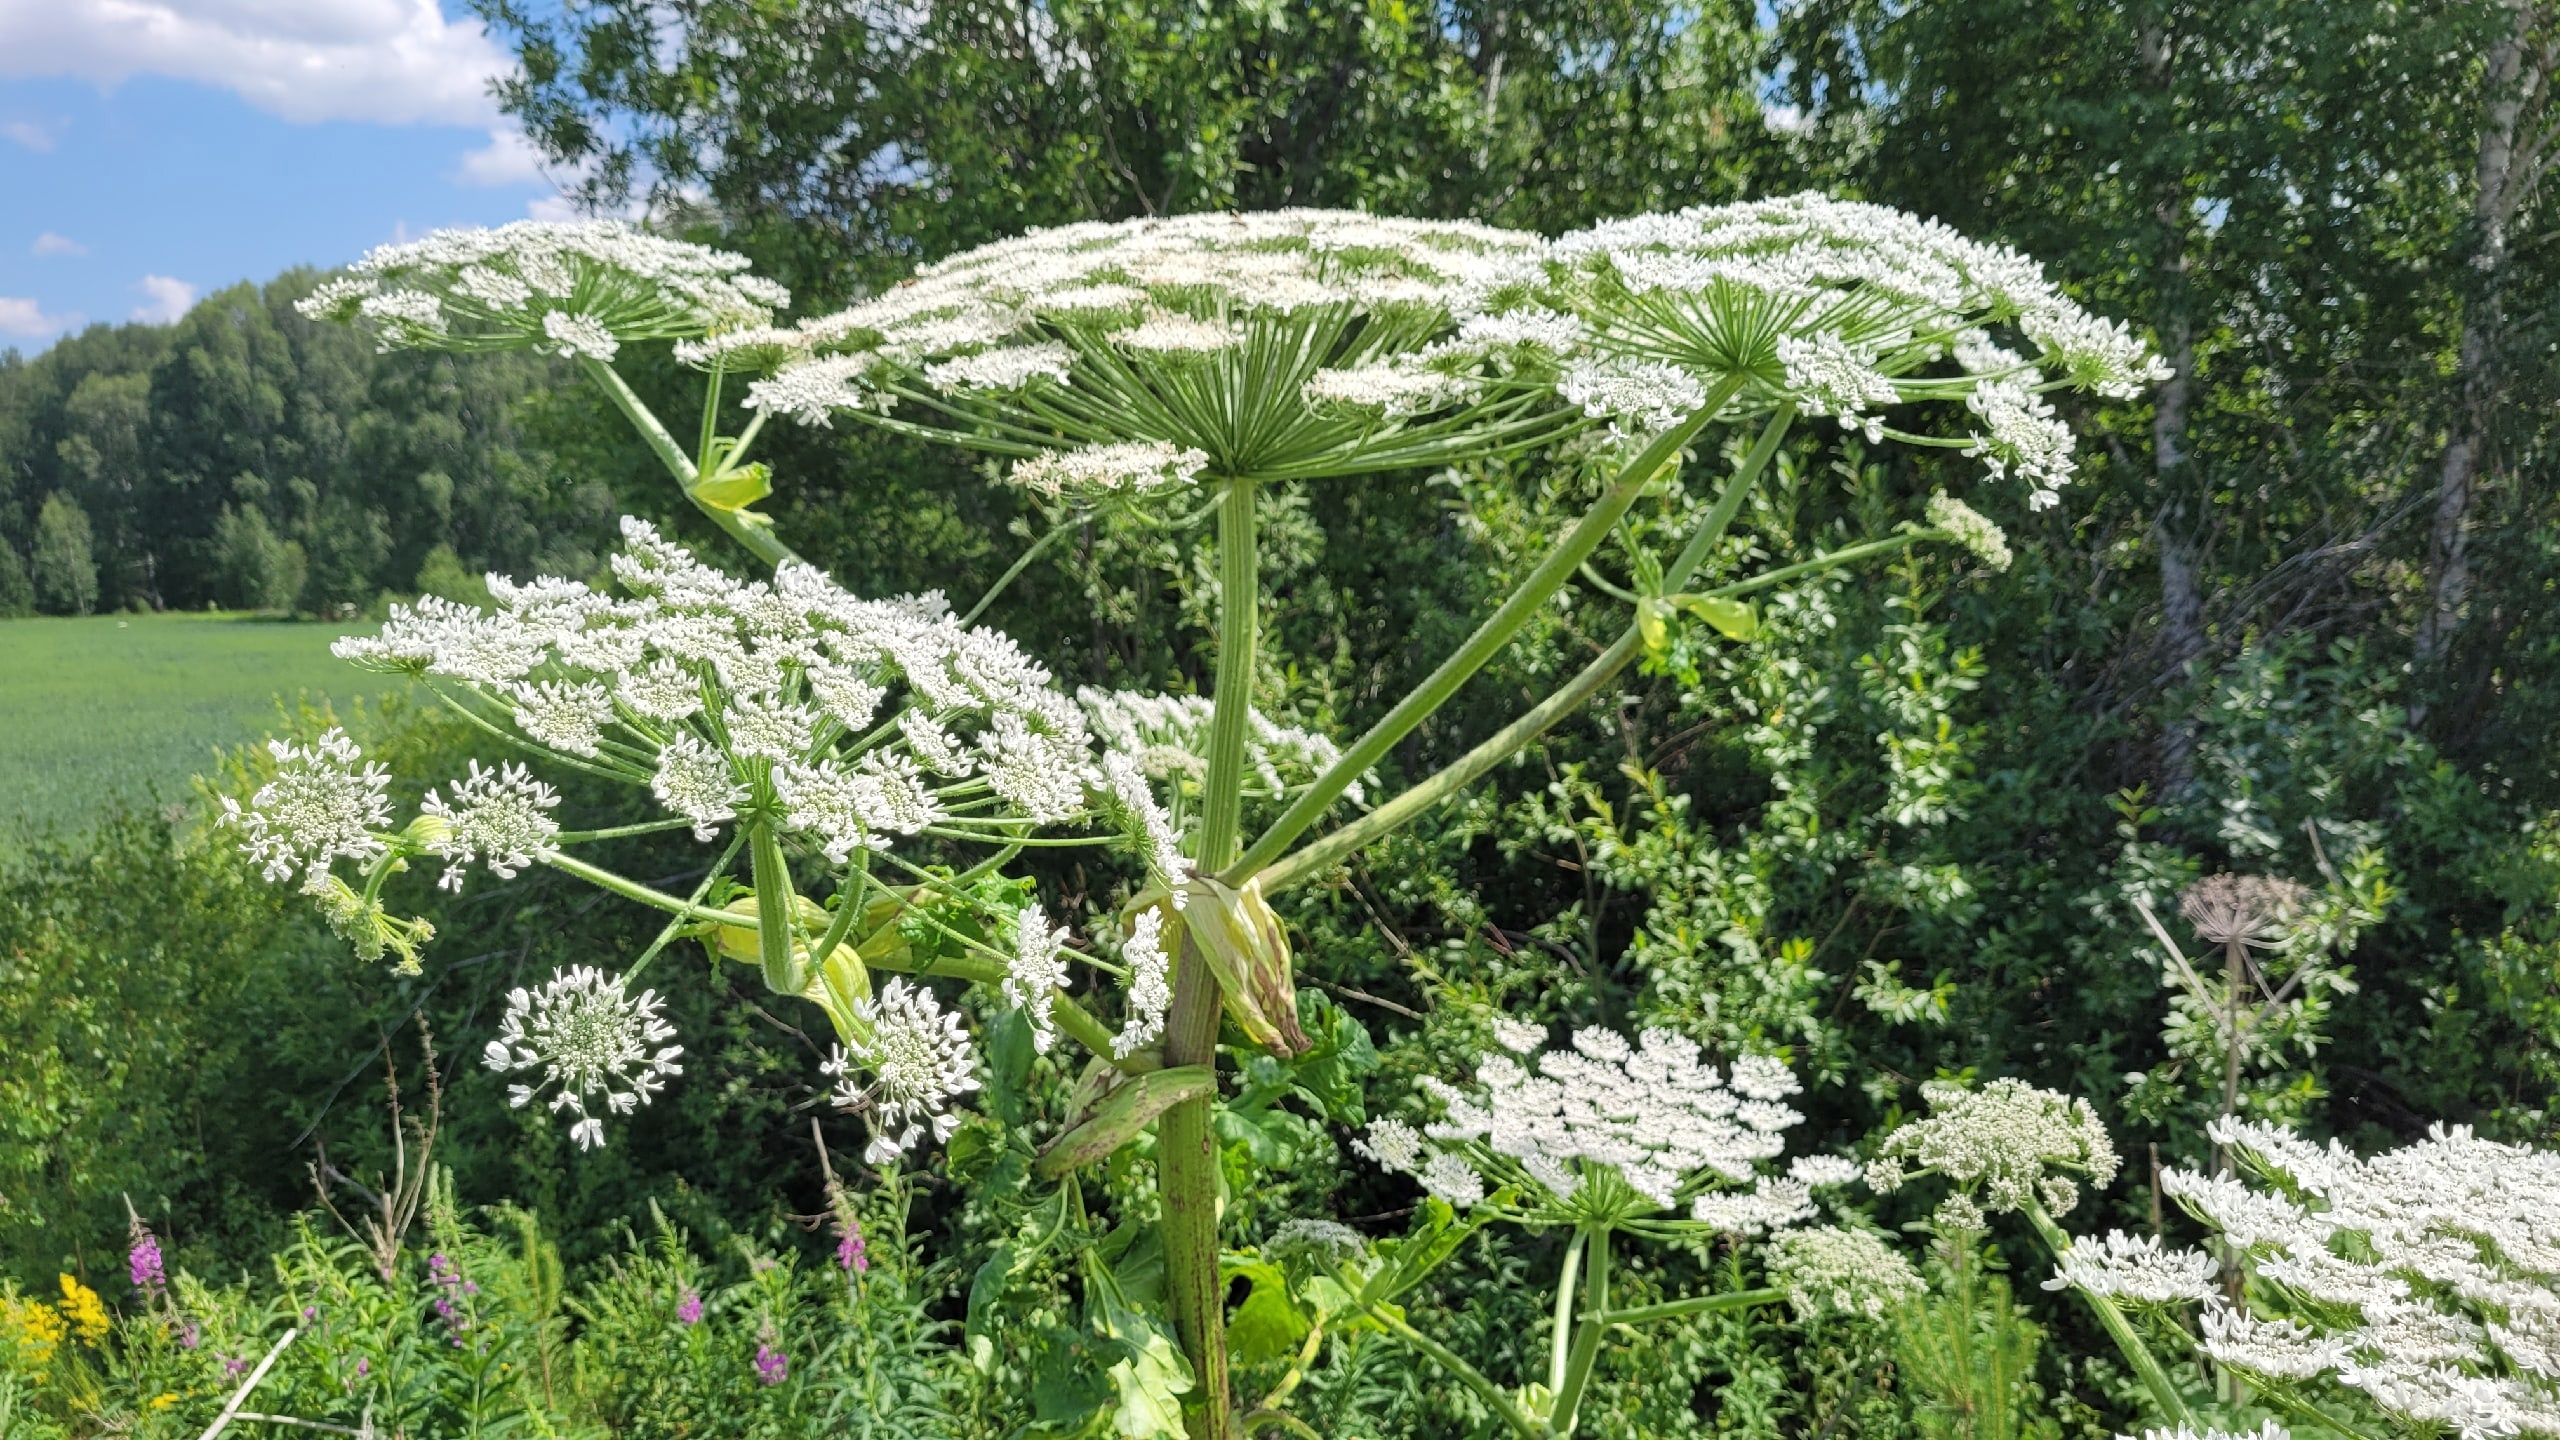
[
  {"x": 604, "y": 1049},
  {"x": 2268, "y": 1431},
  {"x": 920, "y": 1061},
  {"x": 1605, "y": 1131},
  {"x": 723, "y": 697},
  {"x": 500, "y": 818},
  {"x": 1827, "y": 1270},
  {"x": 2003, "y": 1145},
  {"x": 576, "y": 289},
  {"x": 2422, "y": 1284},
  {"x": 1847, "y": 310},
  {"x": 1150, "y": 984},
  {"x": 1039, "y": 968},
  {"x": 320, "y": 807},
  {"x": 1293, "y": 344},
  {"x": 2138, "y": 1270}
]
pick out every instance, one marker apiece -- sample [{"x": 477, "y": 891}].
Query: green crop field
[{"x": 111, "y": 707}]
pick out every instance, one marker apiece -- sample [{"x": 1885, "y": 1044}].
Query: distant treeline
[{"x": 247, "y": 458}]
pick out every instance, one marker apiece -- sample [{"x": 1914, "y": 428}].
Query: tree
[
  {"x": 66, "y": 578},
  {"x": 253, "y": 569},
  {"x": 17, "y": 594}
]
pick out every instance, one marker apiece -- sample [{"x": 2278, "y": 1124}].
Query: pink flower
[
  {"x": 142, "y": 1262},
  {"x": 772, "y": 1366},
  {"x": 850, "y": 1254},
  {"x": 689, "y": 1312}
]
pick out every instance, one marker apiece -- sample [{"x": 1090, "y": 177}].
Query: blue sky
[{"x": 152, "y": 151}]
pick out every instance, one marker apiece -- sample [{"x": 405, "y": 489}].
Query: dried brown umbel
[{"x": 2242, "y": 909}]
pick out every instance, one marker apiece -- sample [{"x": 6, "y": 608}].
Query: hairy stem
[
  {"x": 751, "y": 530},
  {"x": 1186, "y": 1148},
  {"x": 1468, "y": 1375},
  {"x": 1532, "y": 594}
]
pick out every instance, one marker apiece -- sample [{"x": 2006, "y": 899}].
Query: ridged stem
[
  {"x": 751, "y": 530},
  {"x": 1186, "y": 1146}
]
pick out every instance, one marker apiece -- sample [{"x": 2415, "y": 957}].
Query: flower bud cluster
[{"x": 2003, "y": 1145}]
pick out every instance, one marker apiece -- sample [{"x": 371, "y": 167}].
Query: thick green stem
[
  {"x": 1586, "y": 1341},
  {"x": 1322, "y": 855},
  {"x": 784, "y": 972},
  {"x": 1533, "y": 593},
  {"x": 2173, "y": 1406},
  {"x": 633, "y": 890},
  {"x": 748, "y": 529},
  {"x": 1186, "y": 1146}
]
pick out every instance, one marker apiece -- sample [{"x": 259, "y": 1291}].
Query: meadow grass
[{"x": 110, "y": 708}]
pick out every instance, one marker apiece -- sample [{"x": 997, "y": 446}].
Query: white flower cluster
[
  {"x": 2268, "y": 1431},
  {"x": 1828, "y": 1270},
  {"x": 1084, "y": 305},
  {"x": 1150, "y": 984},
  {"x": 590, "y": 1037},
  {"x": 2136, "y": 1269},
  {"x": 2002, "y": 1145},
  {"x": 1169, "y": 736},
  {"x": 920, "y": 1061},
  {"x": 1842, "y": 309},
  {"x": 2425, "y": 1280},
  {"x": 499, "y": 817},
  {"x": 576, "y": 289},
  {"x": 719, "y": 694},
  {"x": 1039, "y": 967},
  {"x": 1137, "y": 466},
  {"x": 318, "y": 809},
  {"x": 1611, "y": 1125}
]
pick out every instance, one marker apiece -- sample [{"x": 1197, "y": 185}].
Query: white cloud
[
  {"x": 49, "y": 243},
  {"x": 25, "y": 317},
  {"x": 169, "y": 299},
  {"x": 508, "y": 159},
  {"x": 391, "y": 61},
  {"x": 39, "y": 138}
]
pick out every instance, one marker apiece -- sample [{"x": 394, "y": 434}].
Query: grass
[{"x": 111, "y": 708}]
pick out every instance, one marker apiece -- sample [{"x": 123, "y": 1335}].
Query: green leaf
[
  {"x": 1123, "y": 1113},
  {"x": 986, "y": 1292},
  {"x": 1268, "y": 1325},
  {"x": 736, "y": 489},
  {"x": 1734, "y": 619}
]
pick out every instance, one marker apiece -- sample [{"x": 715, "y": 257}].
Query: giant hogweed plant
[{"x": 903, "y": 759}]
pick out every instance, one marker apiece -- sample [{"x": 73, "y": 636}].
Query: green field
[{"x": 111, "y": 707}]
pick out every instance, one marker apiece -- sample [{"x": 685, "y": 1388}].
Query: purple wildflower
[
  {"x": 190, "y": 1336},
  {"x": 850, "y": 1254},
  {"x": 772, "y": 1366},
  {"x": 689, "y": 1311},
  {"x": 142, "y": 1262}
]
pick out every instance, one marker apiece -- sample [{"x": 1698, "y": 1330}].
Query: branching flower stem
[
  {"x": 1530, "y": 597},
  {"x": 751, "y": 530},
  {"x": 1021, "y": 563},
  {"x": 1586, "y": 1342},
  {"x": 1323, "y": 854}
]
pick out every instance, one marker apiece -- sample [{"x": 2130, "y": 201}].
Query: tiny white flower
[
  {"x": 1849, "y": 1272},
  {"x": 565, "y": 715},
  {"x": 577, "y": 335},
  {"x": 695, "y": 781},
  {"x": 1150, "y": 984},
  {"x": 1970, "y": 529},
  {"x": 2137, "y": 1269}
]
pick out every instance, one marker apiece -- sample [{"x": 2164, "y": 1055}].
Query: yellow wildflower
[
  {"x": 164, "y": 1399},
  {"x": 29, "y": 1332},
  {"x": 86, "y": 1312}
]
